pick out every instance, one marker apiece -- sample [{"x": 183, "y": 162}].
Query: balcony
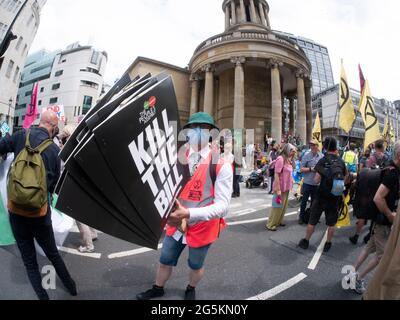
[{"x": 248, "y": 35}]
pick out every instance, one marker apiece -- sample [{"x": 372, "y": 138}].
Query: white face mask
[{"x": 198, "y": 136}]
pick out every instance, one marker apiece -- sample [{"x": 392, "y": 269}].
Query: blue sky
[{"x": 169, "y": 30}]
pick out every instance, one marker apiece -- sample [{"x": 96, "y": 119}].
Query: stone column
[
  {"x": 194, "y": 103},
  {"x": 216, "y": 99},
  {"x": 284, "y": 115},
  {"x": 227, "y": 18},
  {"x": 301, "y": 123},
  {"x": 291, "y": 115},
  {"x": 276, "y": 118},
  {"x": 262, "y": 14},
  {"x": 309, "y": 115},
  {"x": 238, "y": 108},
  {"x": 267, "y": 18},
  {"x": 253, "y": 13},
  {"x": 233, "y": 12},
  {"x": 242, "y": 11},
  {"x": 209, "y": 89}
]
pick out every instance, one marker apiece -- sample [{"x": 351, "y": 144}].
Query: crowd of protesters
[{"x": 327, "y": 174}]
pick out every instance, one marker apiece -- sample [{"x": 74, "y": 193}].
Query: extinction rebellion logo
[{"x": 149, "y": 110}]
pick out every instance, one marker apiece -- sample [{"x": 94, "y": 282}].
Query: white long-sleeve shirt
[{"x": 223, "y": 193}]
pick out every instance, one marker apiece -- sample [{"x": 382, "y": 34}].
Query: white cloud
[{"x": 170, "y": 30}]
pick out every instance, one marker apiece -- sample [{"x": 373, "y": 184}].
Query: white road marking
[
  {"x": 314, "y": 262},
  {"x": 250, "y": 210},
  {"x": 256, "y": 220},
  {"x": 131, "y": 252},
  {"x": 243, "y": 212},
  {"x": 279, "y": 289},
  {"x": 253, "y": 201},
  {"x": 235, "y": 205},
  {"x": 76, "y": 252},
  {"x": 144, "y": 250}
]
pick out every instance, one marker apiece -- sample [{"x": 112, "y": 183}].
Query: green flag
[{"x": 6, "y": 235}]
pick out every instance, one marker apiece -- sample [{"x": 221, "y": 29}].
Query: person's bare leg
[
  {"x": 163, "y": 274},
  {"x": 310, "y": 231},
  {"x": 331, "y": 233},
  {"x": 361, "y": 259},
  {"x": 371, "y": 266},
  {"x": 195, "y": 277},
  {"x": 360, "y": 226}
]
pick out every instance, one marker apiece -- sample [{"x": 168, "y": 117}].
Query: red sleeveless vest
[{"x": 199, "y": 192}]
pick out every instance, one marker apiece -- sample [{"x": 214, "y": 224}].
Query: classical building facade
[
  {"x": 180, "y": 76},
  {"x": 26, "y": 14},
  {"x": 243, "y": 76}
]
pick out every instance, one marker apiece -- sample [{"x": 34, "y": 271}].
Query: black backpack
[
  {"x": 381, "y": 163},
  {"x": 333, "y": 178},
  {"x": 368, "y": 182}
]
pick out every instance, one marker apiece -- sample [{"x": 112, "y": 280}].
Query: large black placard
[{"x": 140, "y": 145}]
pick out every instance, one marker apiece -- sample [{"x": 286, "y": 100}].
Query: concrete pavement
[{"x": 247, "y": 262}]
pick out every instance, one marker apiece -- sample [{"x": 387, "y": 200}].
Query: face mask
[{"x": 198, "y": 136}]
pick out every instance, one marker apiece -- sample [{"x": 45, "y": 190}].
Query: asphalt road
[{"x": 247, "y": 262}]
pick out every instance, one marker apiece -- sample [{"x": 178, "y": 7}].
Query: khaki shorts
[{"x": 377, "y": 243}]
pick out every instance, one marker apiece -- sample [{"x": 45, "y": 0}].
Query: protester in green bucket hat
[{"x": 201, "y": 118}]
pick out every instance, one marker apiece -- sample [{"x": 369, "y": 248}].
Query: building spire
[{"x": 246, "y": 14}]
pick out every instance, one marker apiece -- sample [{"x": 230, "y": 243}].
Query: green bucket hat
[{"x": 201, "y": 118}]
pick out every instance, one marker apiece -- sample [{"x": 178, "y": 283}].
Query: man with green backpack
[{"x": 31, "y": 180}]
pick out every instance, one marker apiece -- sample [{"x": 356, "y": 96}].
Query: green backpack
[{"x": 27, "y": 183}]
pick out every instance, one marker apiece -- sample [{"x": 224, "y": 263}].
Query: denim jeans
[
  {"x": 25, "y": 231},
  {"x": 172, "y": 250},
  {"x": 236, "y": 185},
  {"x": 308, "y": 191}
]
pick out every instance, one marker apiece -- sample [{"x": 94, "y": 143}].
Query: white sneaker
[
  {"x": 83, "y": 249},
  {"x": 361, "y": 286}
]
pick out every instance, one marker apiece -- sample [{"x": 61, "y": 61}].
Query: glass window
[
  {"x": 25, "y": 50},
  {"x": 95, "y": 57},
  {"x": 9, "y": 69},
  {"x": 12, "y": 5},
  {"x": 19, "y": 43},
  {"x": 21, "y": 106},
  {"x": 87, "y": 104},
  {"x": 3, "y": 30},
  {"x": 42, "y": 89},
  {"x": 30, "y": 20},
  {"x": 59, "y": 73},
  {"x": 55, "y": 86},
  {"x": 16, "y": 74},
  {"x": 89, "y": 84},
  {"x": 53, "y": 100},
  {"x": 47, "y": 65}
]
